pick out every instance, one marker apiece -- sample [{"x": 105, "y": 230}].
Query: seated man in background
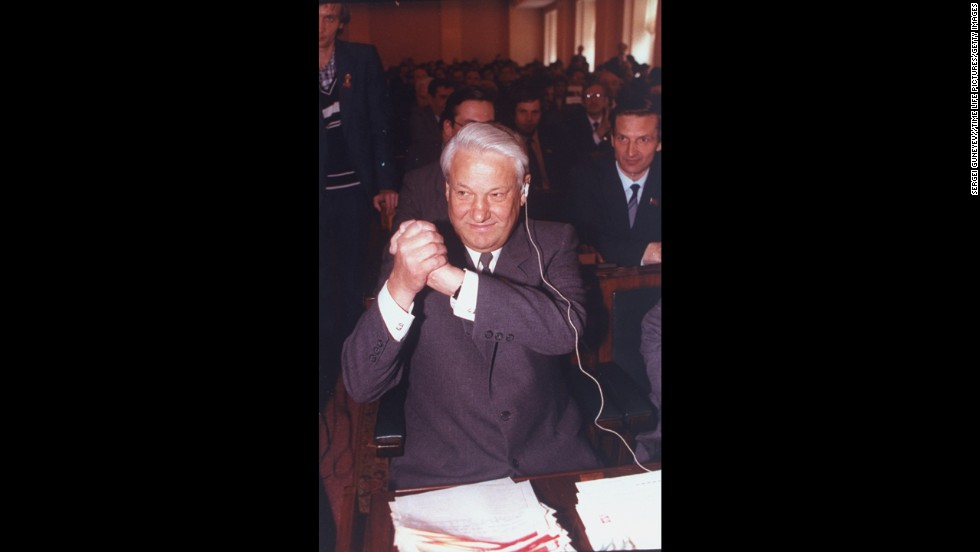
[
  {"x": 425, "y": 135},
  {"x": 464, "y": 314},
  {"x": 423, "y": 193},
  {"x": 648, "y": 443},
  {"x": 617, "y": 201},
  {"x": 586, "y": 126},
  {"x": 542, "y": 139}
]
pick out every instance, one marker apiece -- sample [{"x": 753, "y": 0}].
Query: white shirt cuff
[
  {"x": 397, "y": 320},
  {"x": 465, "y": 305}
]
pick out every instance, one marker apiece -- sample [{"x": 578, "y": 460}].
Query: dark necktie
[
  {"x": 485, "y": 259},
  {"x": 631, "y": 206},
  {"x": 595, "y": 126},
  {"x": 538, "y": 172}
]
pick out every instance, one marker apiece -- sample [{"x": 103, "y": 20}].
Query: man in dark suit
[
  {"x": 586, "y": 126},
  {"x": 423, "y": 193},
  {"x": 547, "y": 153},
  {"x": 425, "y": 142},
  {"x": 465, "y": 316},
  {"x": 542, "y": 139},
  {"x": 356, "y": 171},
  {"x": 617, "y": 201}
]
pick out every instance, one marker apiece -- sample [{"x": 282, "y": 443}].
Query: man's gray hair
[{"x": 483, "y": 138}]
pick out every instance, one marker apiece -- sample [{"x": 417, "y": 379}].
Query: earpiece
[{"x": 525, "y": 190}]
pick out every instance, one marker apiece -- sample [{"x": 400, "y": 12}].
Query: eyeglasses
[{"x": 590, "y": 96}]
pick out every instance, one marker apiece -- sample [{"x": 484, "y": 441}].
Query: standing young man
[{"x": 356, "y": 173}]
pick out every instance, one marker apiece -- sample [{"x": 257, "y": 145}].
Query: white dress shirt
[{"x": 464, "y": 306}]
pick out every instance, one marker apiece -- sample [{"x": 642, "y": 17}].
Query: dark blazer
[
  {"x": 365, "y": 113},
  {"x": 489, "y": 398},
  {"x": 554, "y": 150},
  {"x": 423, "y": 196},
  {"x": 600, "y": 213},
  {"x": 578, "y": 134},
  {"x": 425, "y": 138}
]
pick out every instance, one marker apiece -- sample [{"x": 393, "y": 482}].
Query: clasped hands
[{"x": 420, "y": 260}]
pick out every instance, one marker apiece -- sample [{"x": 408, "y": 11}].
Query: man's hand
[
  {"x": 418, "y": 249},
  {"x": 652, "y": 254},
  {"x": 446, "y": 279},
  {"x": 386, "y": 201}
]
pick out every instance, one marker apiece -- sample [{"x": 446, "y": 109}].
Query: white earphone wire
[{"x": 578, "y": 357}]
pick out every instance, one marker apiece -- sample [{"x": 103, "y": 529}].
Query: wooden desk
[{"x": 556, "y": 490}]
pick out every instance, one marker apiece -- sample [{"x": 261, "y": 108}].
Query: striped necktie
[{"x": 631, "y": 206}]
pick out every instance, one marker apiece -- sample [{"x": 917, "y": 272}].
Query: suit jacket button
[
  {"x": 489, "y": 334},
  {"x": 515, "y": 463},
  {"x": 510, "y": 337},
  {"x": 505, "y": 415},
  {"x": 499, "y": 336}
]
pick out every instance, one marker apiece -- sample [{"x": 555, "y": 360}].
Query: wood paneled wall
[
  {"x": 450, "y": 30},
  {"x": 429, "y": 30}
]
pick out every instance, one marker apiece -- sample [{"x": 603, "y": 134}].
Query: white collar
[
  {"x": 627, "y": 181},
  {"x": 475, "y": 257}
]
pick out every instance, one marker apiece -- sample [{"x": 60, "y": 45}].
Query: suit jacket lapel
[
  {"x": 342, "y": 58},
  {"x": 649, "y": 190},
  {"x": 514, "y": 257},
  {"x": 616, "y": 197}
]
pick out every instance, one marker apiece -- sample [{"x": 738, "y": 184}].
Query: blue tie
[{"x": 631, "y": 206}]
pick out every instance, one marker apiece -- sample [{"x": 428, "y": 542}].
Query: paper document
[
  {"x": 622, "y": 513},
  {"x": 497, "y": 515}
]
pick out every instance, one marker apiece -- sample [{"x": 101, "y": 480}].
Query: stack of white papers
[
  {"x": 621, "y": 513},
  {"x": 497, "y": 515}
]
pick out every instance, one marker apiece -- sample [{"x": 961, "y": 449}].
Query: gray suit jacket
[
  {"x": 423, "y": 196},
  {"x": 648, "y": 443},
  {"x": 489, "y": 398}
]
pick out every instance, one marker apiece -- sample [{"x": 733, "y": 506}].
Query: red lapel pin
[{"x": 347, "y": 81}]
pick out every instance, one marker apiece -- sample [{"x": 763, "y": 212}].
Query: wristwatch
[{"x": 456, "y": 295}]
